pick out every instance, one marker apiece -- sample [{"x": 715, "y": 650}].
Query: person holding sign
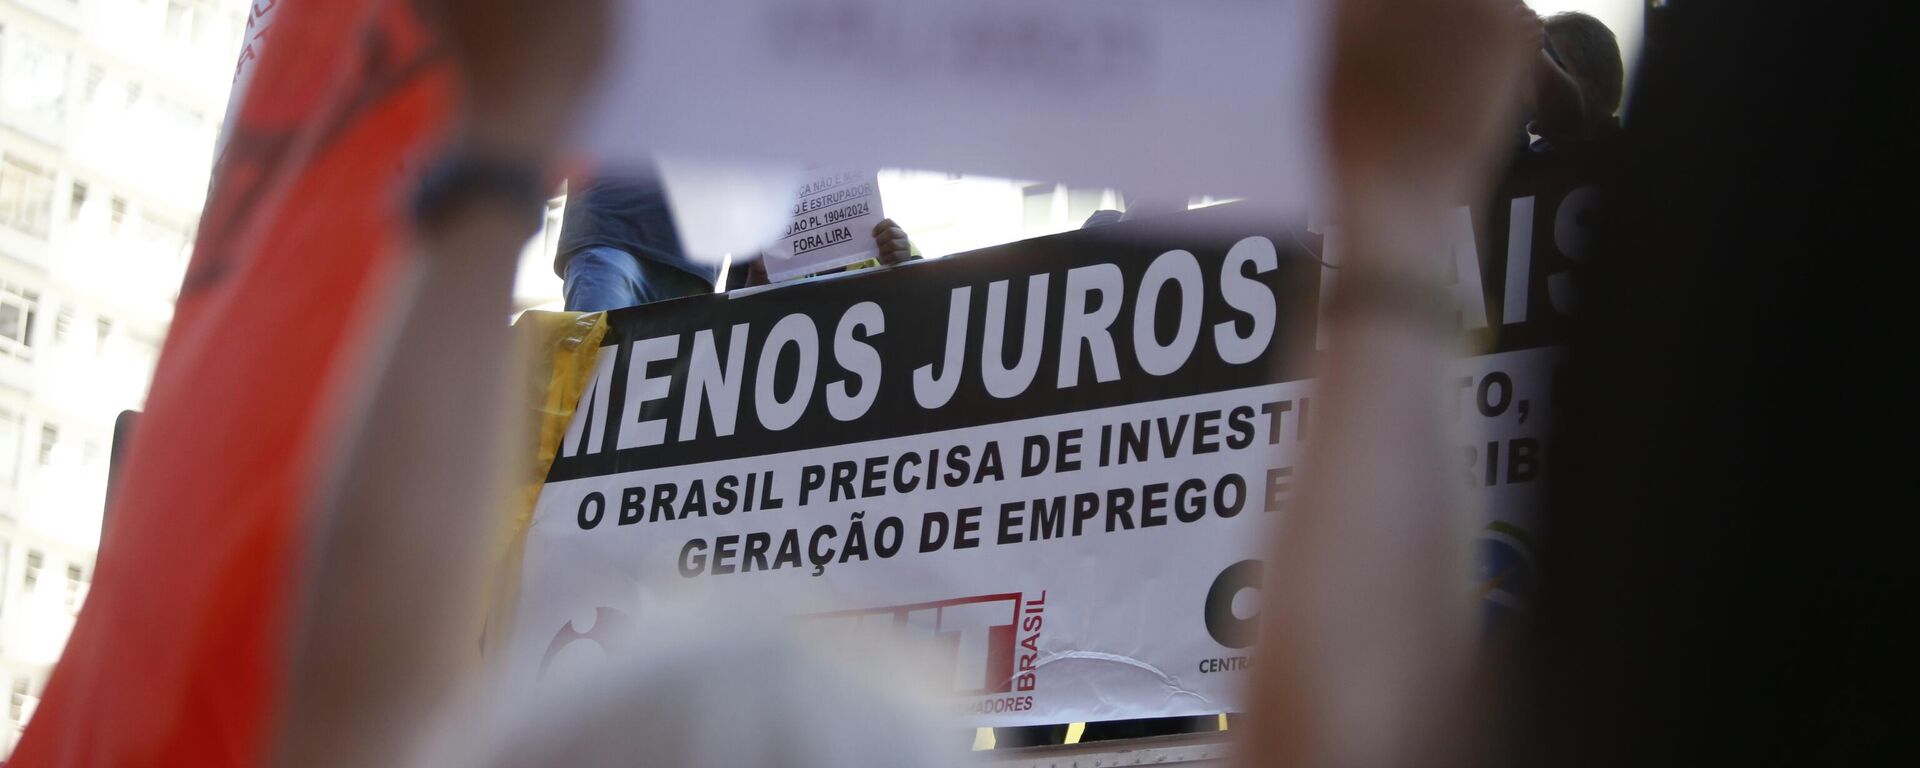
[
  {"x": 619, "y": 247},
  {"x": 889, "y": 238},
  {"x": 831, "y": 205}
]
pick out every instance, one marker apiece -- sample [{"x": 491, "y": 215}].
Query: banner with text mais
[{"x": 1061, "y": 457}]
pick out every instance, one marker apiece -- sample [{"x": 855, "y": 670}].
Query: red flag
[{"x": 179, "y": 655}]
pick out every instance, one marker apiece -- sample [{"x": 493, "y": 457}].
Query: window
[
  {"x": 12, "y": 429},
  {"x": 550, "y": 232},
  {"x": 178, "y": 126},
  {"x": 33, "y": 77},
  {"x": 142, "y": 355},
  {"x": 77, "y": 202},
  {"x": 1081, "y": 203},
  {"x": 180, "y": 21},
  {"x": 62, "y": 325},
  {"x": 49, "y": 440},
  {"x": 26, "y": 196},
  {"x": 17, "y": 706},
  {"x": 17, "y": 307},
  {"x": 1038, "y": 206},
  {"x": 30, "y": 579},
  {"x": 163, "y": 235},
  {"x": 95, "y": 76},
  {"x": 116, "y": 214},
  {"x": 212, "y": 28},
  {"x": 75, "y": 581},
  {"x": 102, "y": 330}
]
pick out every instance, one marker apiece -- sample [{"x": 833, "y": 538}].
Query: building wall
[{"x": 108, "y": 114}]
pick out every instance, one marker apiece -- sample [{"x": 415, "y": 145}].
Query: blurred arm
[
  {"x": 1367, "y": 621},
  {"x": 1367, "y": 627},
  {"x": 394, "y": 588},
  {"x": 394, "y": 593}
]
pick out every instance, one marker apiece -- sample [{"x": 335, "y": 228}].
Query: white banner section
[{"x": 1086, "y": 566}]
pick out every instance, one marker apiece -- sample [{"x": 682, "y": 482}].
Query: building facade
[{"x": 109, "y": 111}]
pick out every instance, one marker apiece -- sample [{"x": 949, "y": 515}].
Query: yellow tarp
[{"x": 558, "y": 349}]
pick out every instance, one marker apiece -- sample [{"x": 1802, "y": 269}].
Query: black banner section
[{"x": 1211, "y": 300}]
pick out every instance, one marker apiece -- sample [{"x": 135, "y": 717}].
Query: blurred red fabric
[{"x": 179, "y": 655}]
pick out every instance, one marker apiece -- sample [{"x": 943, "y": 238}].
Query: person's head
[
  {"x": 1143, "y": 207},
  {"x": 1592, "y": 55}
]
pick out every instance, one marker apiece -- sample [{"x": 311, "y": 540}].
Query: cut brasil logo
[{"x": 994, "y": 642}]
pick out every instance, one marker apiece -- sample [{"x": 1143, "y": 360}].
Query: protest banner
[{"x": 1062, "y": 456}]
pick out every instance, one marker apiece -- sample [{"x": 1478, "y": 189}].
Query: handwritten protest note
[{"x": 831, "y": 224}]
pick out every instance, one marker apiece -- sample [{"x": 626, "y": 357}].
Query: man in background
[
  {"x": 1587, "y": 51},
  {"x": 1135, "y": 209},
  {"x": 618, "y": 247}
]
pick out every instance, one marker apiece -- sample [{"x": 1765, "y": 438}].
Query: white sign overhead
[{"x": 1209, "y": 96}]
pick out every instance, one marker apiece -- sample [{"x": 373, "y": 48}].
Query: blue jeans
[{"x": 602, "y": 278}]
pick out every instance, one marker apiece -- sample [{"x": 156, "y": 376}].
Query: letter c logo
[{"x": 1227, "y": 629}]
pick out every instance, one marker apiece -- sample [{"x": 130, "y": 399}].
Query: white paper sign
[
  {"x": 1159, "y": 98},
  {"x": 830, "y": 225}
]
